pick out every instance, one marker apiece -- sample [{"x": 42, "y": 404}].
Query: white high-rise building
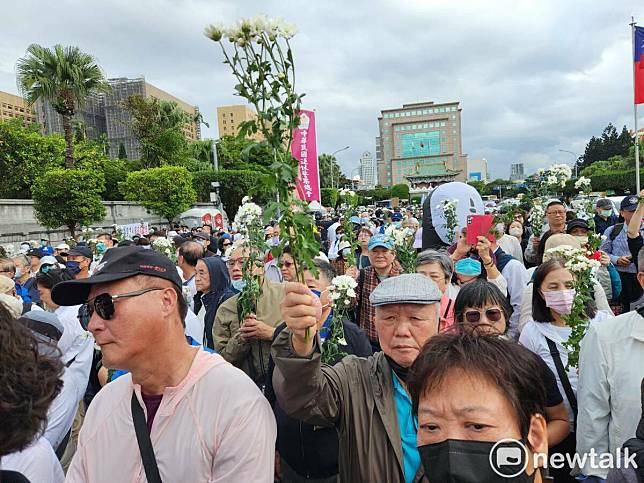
[{"x": 368, "y": 171}]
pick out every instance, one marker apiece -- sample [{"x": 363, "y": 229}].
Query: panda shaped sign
[{"x": 434, "y": 226}]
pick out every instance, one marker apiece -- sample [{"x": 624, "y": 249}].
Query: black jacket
[
  {"x": 312, "y": 451},
  {"x": 220, "y": 291},
  {"x": 601, "y": 224}
]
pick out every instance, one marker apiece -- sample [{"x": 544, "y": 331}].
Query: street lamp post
[
  {"x": 576, "y": 159},
  {"x": 331, "y": 161}
]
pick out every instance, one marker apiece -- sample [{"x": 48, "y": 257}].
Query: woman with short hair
[{"x": 469, "y": 392}]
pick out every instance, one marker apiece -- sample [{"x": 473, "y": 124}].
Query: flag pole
[{"x": 637, "y": 144}]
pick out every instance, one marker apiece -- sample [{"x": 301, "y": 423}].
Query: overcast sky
[{"x": 532, "y": 76}]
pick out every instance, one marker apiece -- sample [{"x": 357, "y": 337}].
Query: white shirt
[
  {"x": 78, "y": 350},
  {"x": 511, "y": 245},
  {"x": 611, "y": 368},
  {"x": 517, "y": 278},
  {"x": 38, "y": 463},
  {"x": 195, "y": 326},
  {"x": 534, "y": 336}
]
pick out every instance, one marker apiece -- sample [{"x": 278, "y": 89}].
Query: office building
[
  {"x": 420, "y": 145},
  {"x": 12, "y": 107},
  {"x": 229, "y": 118},
  {"x": 516, "y": 172},
  {"x": 381, "y": 170},
  {"x": 104, "y": 114},
  {"x": 368, "y": 174},
  {"x": 477, "y": 170}
]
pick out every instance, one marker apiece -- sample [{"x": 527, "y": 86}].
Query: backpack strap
[
  {"x": 145, "y": 444},
  {"x": 360, "y": 290},
  {"x": 563, "y": 377},
  {"x": 614, "y": 233}
]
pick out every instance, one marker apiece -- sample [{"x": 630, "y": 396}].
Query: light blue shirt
[{"x": 407, "y": 423}]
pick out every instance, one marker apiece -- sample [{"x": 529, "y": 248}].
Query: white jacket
[
  {"x": 611, "y": 368},
  {"x": 215, "y": 426}
]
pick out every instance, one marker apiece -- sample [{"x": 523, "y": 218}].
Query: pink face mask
[{"x": 560, "y": 301}]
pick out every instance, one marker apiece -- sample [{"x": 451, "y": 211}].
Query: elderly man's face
[
  {"x": 137, "y": 325},
  {"x": 381, "y": 258},
  {"x": 403, "y": 329}
]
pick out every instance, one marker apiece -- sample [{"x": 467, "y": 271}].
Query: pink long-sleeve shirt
[{"x": 215, "y": 426}]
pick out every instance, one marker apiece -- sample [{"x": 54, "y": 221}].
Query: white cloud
[{"x": 533, "y": 76}]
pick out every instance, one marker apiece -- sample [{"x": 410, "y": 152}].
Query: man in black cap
[
  {"x": 34, "y": 255},
  {"x": 204, "y": 240},
  {"x": 79, "y": 260},
  {"x": 616, "y": 246},
  {"x": 203, "y": 419},
  {"x": 605, "y": 216}
]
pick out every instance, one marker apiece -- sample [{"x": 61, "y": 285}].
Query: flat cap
[{"x": 411, "y": 288}]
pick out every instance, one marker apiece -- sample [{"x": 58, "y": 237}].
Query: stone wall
[{"x": 18, "y": 221}]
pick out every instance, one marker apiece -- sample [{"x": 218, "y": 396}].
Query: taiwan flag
[{"x": 639, "y": 65}]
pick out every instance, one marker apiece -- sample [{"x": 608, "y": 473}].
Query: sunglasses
[
  {"x": 474, "y": 316},
  {"x": 226, "y": 244},
  {"x": 103, "y": 304}
]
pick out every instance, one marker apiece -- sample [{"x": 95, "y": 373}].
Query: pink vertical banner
[{"x": 304, "y": 149}]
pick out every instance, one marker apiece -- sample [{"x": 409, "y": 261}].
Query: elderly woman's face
[
  {"x": 465, "y": 406},
  {"x": 435, "y": 272},
  {"x": 403, "y": 329},
  {"x": 489, "y": 319}
]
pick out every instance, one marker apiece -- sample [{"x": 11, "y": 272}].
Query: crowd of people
[{"x": 123, "y": 362}]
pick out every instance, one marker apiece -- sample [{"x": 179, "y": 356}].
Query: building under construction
[{"x": 104, "y": 114}]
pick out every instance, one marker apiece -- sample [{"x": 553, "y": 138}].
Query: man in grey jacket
[{"x": 364, "y": 398}]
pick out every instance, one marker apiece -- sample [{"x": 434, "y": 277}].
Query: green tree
[
  {"x": 330, "y": 173},
  {"x": 329, "y": 197},
  {"x": 235, "y": 184},
  {"x": 24, "y": 154},
  {"x": 609, "y": 144},
  {"x": 64, "y": 76},
  {"x": 158, "y": 126},
  {"x": 166, "y": 191},
  {"x": 69, "y": 198},
  {"x": 400, "y": 191}
]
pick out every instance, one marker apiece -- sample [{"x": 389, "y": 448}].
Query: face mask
[
  {"x": 458, "y": 461},
  {"x": 607, "y": 213},
  {"x": 101, "y": 248},
  {"x": 275, "y": 240},
  {"x": 346, "y": 252},
  {"x": 239, "y": 284},
  {"x": 560, "y": 300},
  {"x": 73, "y": 267},
  {"x": 19, "y": 273},
  {"x": 582, "y": 239},
  {"x": 516, "y": 231}
]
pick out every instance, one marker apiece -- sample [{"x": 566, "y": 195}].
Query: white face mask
[
  {"x": 516, "y": 231},
  {"x": 582, "y": 239}
]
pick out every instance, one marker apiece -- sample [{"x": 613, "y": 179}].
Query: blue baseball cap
[
  {"x": 396, "y": 216},
  {"x": 380, "y": 240}
]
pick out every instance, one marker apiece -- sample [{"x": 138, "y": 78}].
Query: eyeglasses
[
  {"x": 235, "y": 262},
  {"x": 103, "y": 304},
  {"x": 474, "y": 316},
  {"x": 226, "y": 244},
  {"x": 557, "y": 213},
  {"x": 287, "y": 264}
]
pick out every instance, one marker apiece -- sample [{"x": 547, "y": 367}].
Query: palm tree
[{"x": 64, "y": 76}]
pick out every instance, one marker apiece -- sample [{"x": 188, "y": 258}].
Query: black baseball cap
[
  {"x": 35, "y": 252},
  {"x": 577, "y": 223},
  {"x": 629, "y": 203},
  {"x": 117, "y": 264},
  {"x": 81, "y": 251}
]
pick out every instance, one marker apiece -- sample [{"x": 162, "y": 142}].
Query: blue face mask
[
  {"x": 239, "y": 284},
  {"x": 101, "y": 248},
  {"x": 316, "y": 292},
  {"x": 73, "y": 267}
]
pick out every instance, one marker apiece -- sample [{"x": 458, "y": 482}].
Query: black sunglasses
[
  {"x": 103, "y": 304},
  {"x": 474, "y": 316}
]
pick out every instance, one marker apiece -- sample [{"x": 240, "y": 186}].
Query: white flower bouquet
[
  {"x": 342, "y": 292},
  {"x": 165, "y": 246}
]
